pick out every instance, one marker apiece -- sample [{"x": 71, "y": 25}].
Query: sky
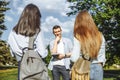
[{"x": 53, "y": 12}]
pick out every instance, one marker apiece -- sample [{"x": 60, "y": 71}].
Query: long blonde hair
[{"x": 86, "y": 31}]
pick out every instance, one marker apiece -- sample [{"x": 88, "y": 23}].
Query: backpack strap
[
  {"x": 31, "y": 42},
  {"x": 86, "y": 57}
]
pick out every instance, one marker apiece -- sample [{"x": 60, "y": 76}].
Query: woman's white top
[
  {"x": 17, "y": 42},
  {"x": 76, "y": 52}
]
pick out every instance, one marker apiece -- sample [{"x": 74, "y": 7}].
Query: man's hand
[
  {"x": 57, "y": 39},
  {"x": 61, "y": 56}
]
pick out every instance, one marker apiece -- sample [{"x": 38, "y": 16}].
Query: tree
[
  {"x": 47, "y": 59},
  {"x": 106, "y": 14},
  {"x": 5, "y": 57},
  {"x": 3, "y": 8}
]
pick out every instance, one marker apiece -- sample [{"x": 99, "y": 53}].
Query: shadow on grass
[
  {"x": 7, "y": 67},
  {"x": 112, "y": 74}
]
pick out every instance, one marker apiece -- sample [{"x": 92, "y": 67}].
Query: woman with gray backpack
[{"x": 26, "y": 38}]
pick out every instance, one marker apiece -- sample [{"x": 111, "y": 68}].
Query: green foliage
[
  {"x": 47, "y": 59},
  {"x": 8, "y": 74},
  {"x": 5, "y": 57},
  {"x": 106, "y": 14},
  {"x": 3, "y": 9}
]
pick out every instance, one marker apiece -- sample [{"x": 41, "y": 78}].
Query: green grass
[
  {"x": 112, "y": 74},
  {"x": 10, "y": 73}
]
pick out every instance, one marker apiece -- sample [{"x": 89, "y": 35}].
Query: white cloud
[
  {"x": 8, "y": 18},
  {"x": 12, "y": 12},
  {"x": 19, "y": 10},
  {"x": 15, "y": 3},
  {"x": 56, "y": 6},
  {"x": 53, "y": 12},
  {"x": 51, "y": 21},
  {"x": 68, "y": 25}
]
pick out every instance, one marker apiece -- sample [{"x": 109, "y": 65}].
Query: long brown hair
[
  {"x": 87, "y": 33},
  {"x": 29, "y": 22}
]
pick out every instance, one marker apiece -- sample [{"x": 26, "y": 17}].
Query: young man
[{"x": 59, "y": 47}]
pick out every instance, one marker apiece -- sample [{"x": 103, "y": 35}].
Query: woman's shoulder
[
  {"x": 39, "y": 35},
  {"x": 102, "y": 36},
  {"x": 12, "y": 33},
  {"x": 76, "y": 40}
]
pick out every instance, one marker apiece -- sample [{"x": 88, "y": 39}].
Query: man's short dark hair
[{"x": 55, "y": 27}]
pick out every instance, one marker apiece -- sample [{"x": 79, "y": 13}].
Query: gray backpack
[{"x": 32, "y": 66}]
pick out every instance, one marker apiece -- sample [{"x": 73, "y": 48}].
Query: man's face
[{"x": 57, "y": 32}]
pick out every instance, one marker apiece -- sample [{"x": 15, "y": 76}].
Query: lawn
[
  {"x": 111, "y": 74},
  {"x": 10, "y": 73}
]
